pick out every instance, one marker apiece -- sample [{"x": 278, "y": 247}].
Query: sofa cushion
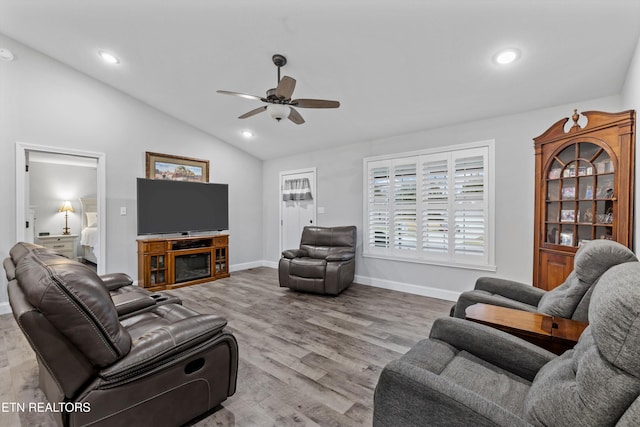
[
  {"x": 311, "y": 268},
  {"x": 487, "y": 381},
  {"x": 615, "y": 312},
  {"x": 600, "y": 377},
  {"x": 319, "y": 242},
  {"x": 22, "y": 249},
  {"x": 75, "y": 301},
  {"x": 591, "y": 261}
]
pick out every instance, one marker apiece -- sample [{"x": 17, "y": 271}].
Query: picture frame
[
  {"x": 555, "y": 173},
  {"x": 176, "y": 168},
  {"x": 589, "y": 192},
  {"x": 567, "y": 215},
  {"x": 569, "y": 192},
  {"x": 566, "y": 239}
]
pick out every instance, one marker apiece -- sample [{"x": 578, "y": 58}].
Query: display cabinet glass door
[
  {"x": 221, "y": 260},
  {"x": 157, "y": 269},
  {"x": 579, "y": 195}
]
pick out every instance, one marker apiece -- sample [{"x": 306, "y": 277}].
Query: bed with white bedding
[{"x": 90, "y": 238}]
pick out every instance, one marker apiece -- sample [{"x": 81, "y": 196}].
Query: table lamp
[{"x": 66, "y": 208}]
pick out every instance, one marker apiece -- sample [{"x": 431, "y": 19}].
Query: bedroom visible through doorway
[{"x": 62, "y": 201}]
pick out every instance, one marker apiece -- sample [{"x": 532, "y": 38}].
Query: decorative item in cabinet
[{"x": 583, "y": 189}]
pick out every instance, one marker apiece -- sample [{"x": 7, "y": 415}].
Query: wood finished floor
[{"x": 305, "y": 360}]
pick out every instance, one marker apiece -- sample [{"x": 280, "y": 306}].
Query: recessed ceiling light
[
  {"x": 247, "y": 133},
  {"x": 506, "y": 56},
  {"x": 109, "y": 58},
  {"x": 6, "y": 55}
]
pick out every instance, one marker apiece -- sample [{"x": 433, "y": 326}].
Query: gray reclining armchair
[
  {"x": 324, "y": 263},
  {"x": 467, "y": 374},
  {"x": 162, "y": 366},
  {"x": 569, "y": 300}
]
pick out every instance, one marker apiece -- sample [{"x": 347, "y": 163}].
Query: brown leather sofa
[
  {"x": 324, "y": 263},
  {"x": 162, "y": 365}
]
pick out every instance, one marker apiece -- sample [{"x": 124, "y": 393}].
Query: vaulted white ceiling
[{"x": 396, "y": 66}]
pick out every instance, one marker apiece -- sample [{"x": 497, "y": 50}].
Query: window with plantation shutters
[{"x": 430, "y": 206}]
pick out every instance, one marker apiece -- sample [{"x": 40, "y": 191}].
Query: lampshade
[
  {"x": 278, "y": 111},
  {"x": 66, "y": 207}
]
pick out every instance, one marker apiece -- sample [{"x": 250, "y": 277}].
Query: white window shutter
[
  {"x": 405, "y": 229},
  {"x": 470, "y": 204},
  {"x": 379, "y": 184},
  {"x": 435, "y": 204}
]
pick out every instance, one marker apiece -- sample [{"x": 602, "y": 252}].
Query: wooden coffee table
[{"x": 553, "y": 333}]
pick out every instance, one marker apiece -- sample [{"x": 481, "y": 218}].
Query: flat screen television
[{"x": 167, "y": 207}]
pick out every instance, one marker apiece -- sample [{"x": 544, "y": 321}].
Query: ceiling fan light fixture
[
  {"x": 6, "y": 54},
  {"x": 278, "y": 111},
  {"x": 247, "y": 133},
  {"x": 506, "y": 56},
  {"x": 108, "y": 57}
]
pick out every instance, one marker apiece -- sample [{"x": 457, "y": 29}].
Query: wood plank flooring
[{"x": 305, "y": 359}]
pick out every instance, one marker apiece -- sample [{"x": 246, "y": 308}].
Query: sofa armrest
[
  {"x": 160, "y": 344},
  {"x": 511, "y": 289},
  {"x": 129, "y": 302},
  {"x": 340, "y": 256},
  {"x": 294, "y": 253},
  {"x": 116, "y": 280},
  {"x": 494, "y": 346}
]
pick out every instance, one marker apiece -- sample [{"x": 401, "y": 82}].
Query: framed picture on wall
[{"x": 176, "y": 168}]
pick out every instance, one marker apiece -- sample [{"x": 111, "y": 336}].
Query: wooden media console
[{"x": 169, "y": 263}]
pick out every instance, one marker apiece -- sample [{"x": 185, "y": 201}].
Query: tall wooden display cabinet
[{"x": 583, "y": 190}]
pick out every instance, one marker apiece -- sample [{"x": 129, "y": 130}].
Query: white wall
[
  {"x": 47, "y": 103},
  {"x": 631, "y": 101},
  {"x": 339, "y": 183}
]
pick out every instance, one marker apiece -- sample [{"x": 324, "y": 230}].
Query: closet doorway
[{"x": 46, "y": 179}]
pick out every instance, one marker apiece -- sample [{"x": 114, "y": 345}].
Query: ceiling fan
[{"x": 279, "y": 98}]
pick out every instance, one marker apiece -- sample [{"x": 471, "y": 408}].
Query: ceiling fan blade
[
  {"x": 285, "y": 87},
  {"x": 243, "y": 95},
  {"x": 253, "y": 112},
  {"x": 315, "y": 103},
  {"x": 295, "y": 117}
]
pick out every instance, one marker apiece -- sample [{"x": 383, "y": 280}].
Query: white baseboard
[
  {"x": 270, "y": 264},
  {"x": 371, "y": 281},
  {"x": 247, "y": 265},
  {"x": 5, "y": 308},
  {"x": 408, "y": 288}
]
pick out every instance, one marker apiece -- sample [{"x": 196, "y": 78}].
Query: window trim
[{"x": 419, "y": 257}]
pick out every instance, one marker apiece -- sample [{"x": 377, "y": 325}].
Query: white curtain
[{"x": 297, "y": 189}]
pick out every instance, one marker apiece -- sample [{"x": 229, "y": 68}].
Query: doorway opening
[
  {"x": 60, "y": 201},
  {"x": 297, "y": 205}
]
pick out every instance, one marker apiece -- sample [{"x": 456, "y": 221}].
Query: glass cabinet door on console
[
  {"x": 221, "y": 254},
  {"x": 584, "y": 190},
  {"x": 157, "y": 270}
]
